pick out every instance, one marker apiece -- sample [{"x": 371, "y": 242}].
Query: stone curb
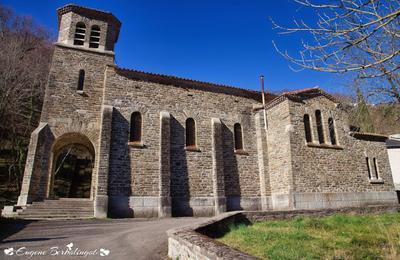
[{"x": 196, "y": 241}]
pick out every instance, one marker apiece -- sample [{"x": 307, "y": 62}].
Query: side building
[{"x": 393, "y": 147}]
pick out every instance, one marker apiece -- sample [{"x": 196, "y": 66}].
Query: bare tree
[
  {"x": 24, "y": 63},
  {"x": 352, "y": 36}
]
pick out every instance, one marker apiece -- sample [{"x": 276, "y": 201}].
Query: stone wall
[
  {"x": 334, "y": 175},
  {"x": 263, "y": 161},
  {"x": 67, "y": 111},
  {"x": 34, "y": 183},
  {"x": 279, "y": 155},
  {"x": 67, "y": 28},
  {"x": 134, "y": 171}
]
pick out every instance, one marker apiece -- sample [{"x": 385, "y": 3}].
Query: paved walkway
[{"x": 125, "y": 239}]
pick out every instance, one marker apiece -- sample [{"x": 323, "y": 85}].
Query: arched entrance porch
[{"x": 71, "y": 167}]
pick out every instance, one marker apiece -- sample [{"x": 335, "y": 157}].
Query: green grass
[{"x": 332, "y": 237}]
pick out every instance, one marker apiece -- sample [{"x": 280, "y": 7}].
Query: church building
[{"x": 119, "y": 142}]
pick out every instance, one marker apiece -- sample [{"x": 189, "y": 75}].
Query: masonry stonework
[{"x": 159, "y": 175}]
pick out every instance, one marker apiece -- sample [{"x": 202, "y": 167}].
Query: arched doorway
[{"x": 72, "y": 167}]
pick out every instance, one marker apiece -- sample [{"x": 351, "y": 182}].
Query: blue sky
[{"x": 226, "y": 41}]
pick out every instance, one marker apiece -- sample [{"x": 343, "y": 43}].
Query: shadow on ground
[{"x": 8, "y": 227}]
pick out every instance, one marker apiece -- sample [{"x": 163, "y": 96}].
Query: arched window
[
  {"x": 136, "y": 128},
  {"x": 376, "y": 168},
  {"x": 332, "y": 133},
  {"x": 80, "y": 32},
  {"x": 320, "y": 128},
  {"x": 307, "y": 128},
  {"x": 237, "y": 131},
  {"x": 94, "y": 37},
  {"x": 190, "y": 132},
  {"x": 81, "y": 80},
  {"x": 368, "y": 167}
]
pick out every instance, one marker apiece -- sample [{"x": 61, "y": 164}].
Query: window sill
[
  {"x": 192, "y": 149},
  {"x": 139, "y": 145},
  {"x": 376, "y": 181},
  {"x": 241, "y": 152},
  {"x": 325, "y": 146}
]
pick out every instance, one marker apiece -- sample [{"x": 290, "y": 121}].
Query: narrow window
[
  {"x": 237, "y": 129},
  {"x": 369, "y": 168},
  {"x": 136, "y": 128},
  {"x": 94, "y": 37},
  {"x": 307, "y": 128},
  {"x": 80, "y": 32},
  {"x": 376, "y": 168},
  {"x": 332, "y": 133},
  {"x": 81, "y": 80},
  {"x": 320, "y": 128},
  {"x": 190, "y": 132}
]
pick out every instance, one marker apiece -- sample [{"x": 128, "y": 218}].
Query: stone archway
[{"x": 72, "y": 167}]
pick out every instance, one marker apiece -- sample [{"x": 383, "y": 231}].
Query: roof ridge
[
  {"x": 299, "y": 91},
  {"x": 293, "y": 95},
  {"x": 108, "y": 16},
  {"x": 81, "y": 6}
]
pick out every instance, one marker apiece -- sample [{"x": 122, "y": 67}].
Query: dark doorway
[{"x": 73, "y": 172}]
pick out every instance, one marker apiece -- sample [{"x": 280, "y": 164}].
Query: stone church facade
[{"x": 150, "y": 145}]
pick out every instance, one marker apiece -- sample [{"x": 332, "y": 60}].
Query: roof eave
[{"x": 189, "y": 83}]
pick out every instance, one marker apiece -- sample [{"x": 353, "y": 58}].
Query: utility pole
[{"x": 263, "y": 101}]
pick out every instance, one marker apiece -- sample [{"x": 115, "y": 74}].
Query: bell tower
[
  {"x": 73, "y": 114},
  {"x": 86, "y": 28}
]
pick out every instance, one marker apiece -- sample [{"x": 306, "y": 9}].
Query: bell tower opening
[{"x": 89, "y": 29}]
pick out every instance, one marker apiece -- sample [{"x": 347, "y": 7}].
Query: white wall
[{"x": 394, "y": 159}]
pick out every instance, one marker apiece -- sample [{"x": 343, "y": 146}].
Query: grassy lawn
[{"x": 332, "y": 237}]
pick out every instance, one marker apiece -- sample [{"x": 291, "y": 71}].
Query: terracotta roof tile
[
  {"x": 189, "y": 83},
  {"x": 299, "y": 95},
  {"x": 369, "y": 136}
]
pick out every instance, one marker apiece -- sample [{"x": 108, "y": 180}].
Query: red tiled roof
[
  {"x": 369, "y": 136},
  {"x": 310, "y": 92},
  {"x": 299, "y": 95},
  {"x": 300, "y": 91},
  {"x": 189, "y": 83}
]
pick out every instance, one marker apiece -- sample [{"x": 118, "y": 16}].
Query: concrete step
[
  {"x": 67, "y": 199},
  {"x": 59, "y": 206},
  {"x": 71, "y": 216},
  {"x": 51, "y": 215},
  {"x": 58, "y": 209},
  {"x": 71, "y": 199},
  {"x": 62, "y": 202}
]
